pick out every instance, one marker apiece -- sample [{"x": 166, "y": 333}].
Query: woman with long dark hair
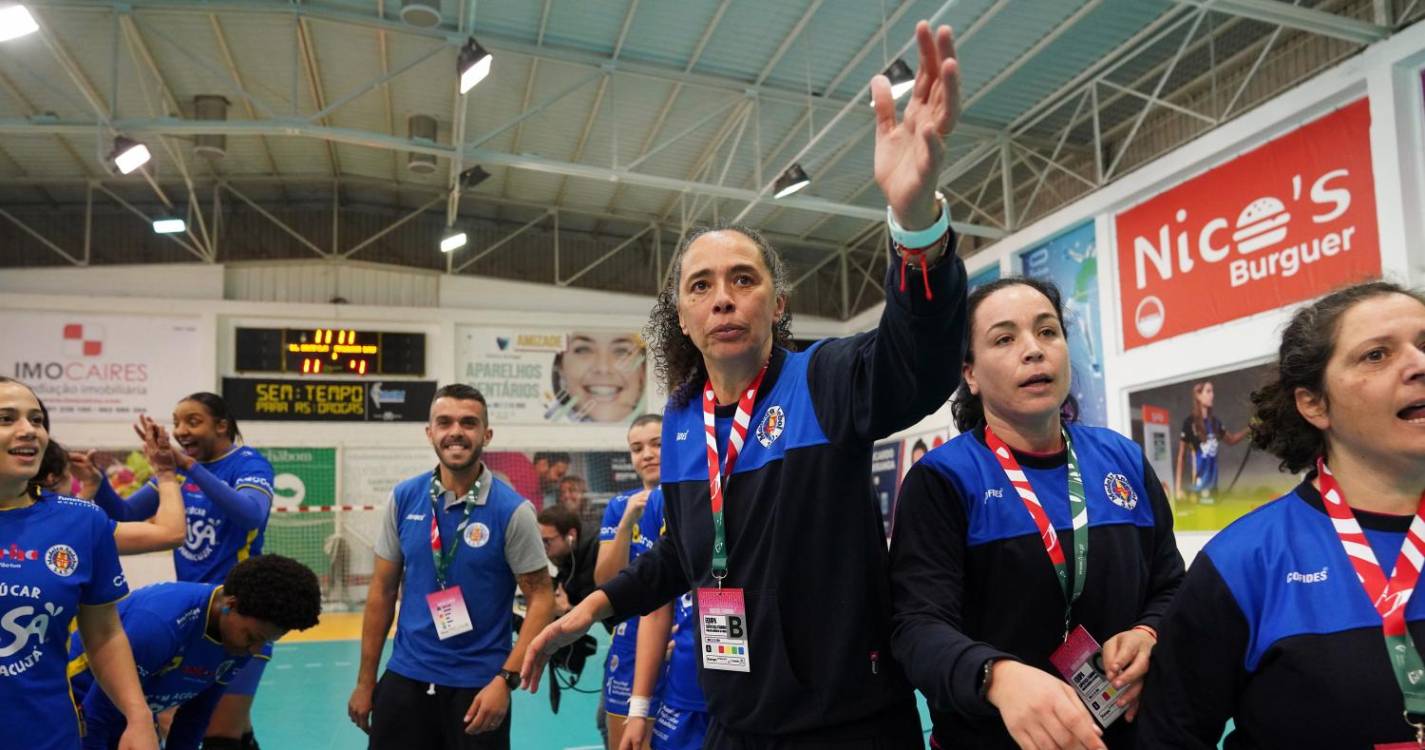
[
  {"x": 1023, "y": 538},
  {"x": 1201, "y": 438},
  {"x": 1297, "y": 622},
  {"x": 58, "y": 565}
]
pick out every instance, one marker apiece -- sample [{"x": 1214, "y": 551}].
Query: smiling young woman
[
  {"x": 1297, "y": 621},
  {"x": 58, "y": 565},
  {"x": 978, "y": 607}
]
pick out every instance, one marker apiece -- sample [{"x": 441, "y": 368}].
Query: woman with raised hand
[
  {"x": 1023, "y": 543},
  {"x": 1297, "y": 621}
]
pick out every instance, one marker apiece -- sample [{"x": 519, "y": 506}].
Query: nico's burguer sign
[{"x": 1285, "y": 222}]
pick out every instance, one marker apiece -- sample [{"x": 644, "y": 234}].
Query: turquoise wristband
[{"x": 924, "y": 237}]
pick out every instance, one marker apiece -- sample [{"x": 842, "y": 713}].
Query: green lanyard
[
  {"x": 444, "y": 557},
  {"x": 1078, "y": 508}
]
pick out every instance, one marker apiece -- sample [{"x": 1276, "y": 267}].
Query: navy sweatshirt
[
  {"x": 1273, "y": 630},
  {"x": 804, "y": 530},
  {"x": 972, "y": 582}
]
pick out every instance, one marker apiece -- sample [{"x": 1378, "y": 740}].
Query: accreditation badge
[
  {"x": 722, "y": 621},
  {"x": 1080, "y": 661},
  {"x": 448, "y": 612}
]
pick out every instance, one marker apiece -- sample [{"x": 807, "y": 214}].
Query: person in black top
[
  {"x": 573, "y": 551},
  {"x": 1285, "y": 624},
  {"x": 980, "y": 601},
  {"x": 788, "y": 557},
  {"x": 1202, "y": 436}
]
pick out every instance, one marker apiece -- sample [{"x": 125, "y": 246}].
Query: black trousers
[
  {"x": 897, "y": 728},
  {"x": 404, "y": 715}
]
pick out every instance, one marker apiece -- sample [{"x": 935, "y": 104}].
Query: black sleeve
[
  {"x": 1165, "y": 568},
  {"x": 927, "y": 589},
  {"x": 1198, "y": 671},
  {"x": 651, "y": 581},
  {"x": 870, "y": 385}
]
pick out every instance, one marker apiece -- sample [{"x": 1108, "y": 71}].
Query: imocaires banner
[{"x": 1282, "y": 223}]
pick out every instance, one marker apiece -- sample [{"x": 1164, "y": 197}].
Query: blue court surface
[{"x": 301, "y": 704}]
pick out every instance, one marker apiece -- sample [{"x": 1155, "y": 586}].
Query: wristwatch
[
  {"x": 512, "y": 678},
  {"x": 985, "y": 673}
]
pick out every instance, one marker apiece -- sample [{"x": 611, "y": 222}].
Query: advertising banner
[
  {"x": 281, "y": 400},
  {"x": 302, "y": 476},
  {"x": 103, "y": 368},
  {"x": 554, "y": 376},
  {"x": 1282, "y": 223},
  {"x": 1070, "y": 260}
]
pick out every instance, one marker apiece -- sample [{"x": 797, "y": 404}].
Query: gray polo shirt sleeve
[
  {"x": 388, "y": 539},
  {"x": 524, "y": 548}
]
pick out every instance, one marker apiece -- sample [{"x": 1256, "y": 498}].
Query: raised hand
[
  {"x": 158, "y": 449},
  {"x": 83, "y": 468},
  {"x": 910, "y": 154}
]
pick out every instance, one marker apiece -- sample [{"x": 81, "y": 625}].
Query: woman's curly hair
[
  {"x": 276, "y": 589},
  {"x": 1308, "y": 342},
  {"x": 676, "y": 359}
]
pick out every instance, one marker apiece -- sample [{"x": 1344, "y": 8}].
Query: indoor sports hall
[{"x": 383, "y": 236}]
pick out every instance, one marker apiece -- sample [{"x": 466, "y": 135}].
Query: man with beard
[{"x": 456, "y": 540}]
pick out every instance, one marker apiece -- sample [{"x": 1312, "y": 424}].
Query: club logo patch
[
  {"x": 613, "y": 662},
  {"x": 62, "y": 560},
  {"x": 1120, "y": 492},
  {"x": 477, "y": 534},
  {"x": 773, "y": 422}
]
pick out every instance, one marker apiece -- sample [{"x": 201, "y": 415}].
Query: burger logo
[{"x": 1261, "y": 224}]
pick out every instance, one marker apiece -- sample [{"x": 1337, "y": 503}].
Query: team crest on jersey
[
  {"x": 477, "y": 534},
  {"x": 613, "y": 662},
  {"x": 62, "y": 560},
  {"x": 773, "y": 422},
  {"x": 1120, "y": 492}
]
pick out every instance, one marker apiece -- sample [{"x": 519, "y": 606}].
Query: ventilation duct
[{"x": 422, "y": 128}]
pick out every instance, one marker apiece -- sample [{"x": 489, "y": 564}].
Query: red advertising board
[
  {"x": 1285, "y": 222},
  {"x": 1155, "y": 415}
]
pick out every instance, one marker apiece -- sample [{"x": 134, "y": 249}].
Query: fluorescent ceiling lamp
[
  {"x": 15, "y": 22},
  {"x": 129, "y": 154},
  {"x": 792, "y": 180},
  {"x": 169, "y": 226},
  {"x": 473, "y": 64},
  {"x": 901, "y": 77},
  {"x": 453, "y": 242}
]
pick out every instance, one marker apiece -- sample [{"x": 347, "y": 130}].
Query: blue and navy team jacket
[
  {"x": 180, "y": 664},
  {"x": 55, "y": 556},
  {"x": 972, "y": 582},
  {"x": 472, "y": 659},
  {"x": 1273, "y": 630},
  {"x": 806, "y": 540}
]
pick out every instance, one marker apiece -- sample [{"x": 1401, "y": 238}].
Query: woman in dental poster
[{"x": 1202, "y": 434}]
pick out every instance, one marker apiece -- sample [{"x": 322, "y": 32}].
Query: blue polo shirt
[
  {"x": 55, "y": 555},
  {"x": 499, "y": 541}
]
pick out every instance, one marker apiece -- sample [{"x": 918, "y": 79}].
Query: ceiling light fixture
[
  {"x": 129, "y": 154},
  {"x": 790, "y": 181},
  {"x": 15, "y": 22},
  {"x": 473, "y": 64},
  {"x": 453, "y": 242}
]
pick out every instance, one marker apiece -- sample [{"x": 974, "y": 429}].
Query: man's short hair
[
  {"x": 461, "y": 392},
  {"x": 561, "y": 518},
  {"x": 553, "y": 457}
]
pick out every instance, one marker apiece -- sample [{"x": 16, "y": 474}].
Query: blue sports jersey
[
  {"x": 216, "y": 542},
  {"x": 680, "y": 688},
  {"x": 625, "y": 636},
  {"x": 168, "y": 629},
  {"x": 54, "y": 556}
]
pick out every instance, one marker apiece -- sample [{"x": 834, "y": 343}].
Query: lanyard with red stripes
[
  {"x": 1078, "y": 508},
  {"x": 1388, "y": 597},
  {"x": 717, "y": 484}
]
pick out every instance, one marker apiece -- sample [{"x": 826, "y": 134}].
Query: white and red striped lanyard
[
  {"x": 717, "y": 484},
  {"x": 1078, "y": 508},
  {"x": 1388, "y": 597}
]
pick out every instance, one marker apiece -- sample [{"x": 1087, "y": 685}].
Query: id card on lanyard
[
  {"x": 447, "y": 605},
  {"x": 722, "y": 612},
  {"x": 1078, "y": 658},
  {"x": 1388, "y": 597}
]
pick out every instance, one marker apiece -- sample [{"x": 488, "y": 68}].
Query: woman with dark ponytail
[
  {"x": 1023, "y": 532},
  {"x": 58, "y": 565},
  {"x": 1297, "y": 622}
]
